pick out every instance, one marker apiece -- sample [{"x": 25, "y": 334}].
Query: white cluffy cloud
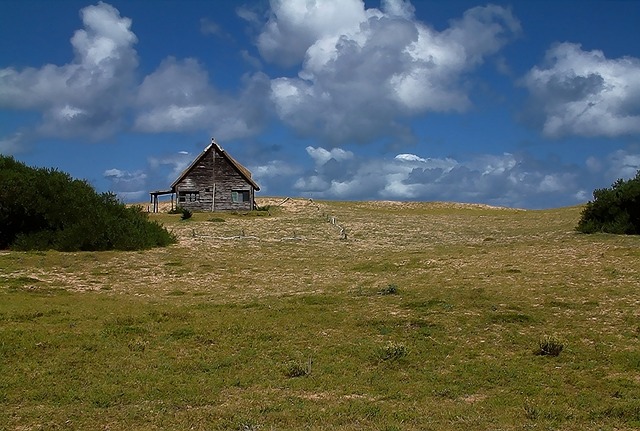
[
  {"x": 87, "y": 96},
  {"x": 294, "y": 26},
  {"x": 322, "y": 156},
  {"x": 177, "y": 97},
  {"x": 158, "y": 174},
  {"x": 128, "y": 186},
  {"x": 94, "y": 94},
  {"x": 12, "y": 144},
  {"x": 514, "y": 180},
  {"x": 584, "y": 93},
  {"x": 362, "y": 74},
  {"x": 364, "y": 70}
]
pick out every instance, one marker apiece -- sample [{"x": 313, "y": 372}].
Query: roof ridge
[{"x": 244, "y": 172}]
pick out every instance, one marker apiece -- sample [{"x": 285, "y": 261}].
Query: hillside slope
[{"x": 427, "y": 316}]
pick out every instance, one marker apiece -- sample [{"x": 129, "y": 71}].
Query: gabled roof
[{"x": 244, "y": 172}]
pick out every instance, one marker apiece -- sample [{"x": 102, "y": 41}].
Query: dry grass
[{"x": 208, "y": 327}]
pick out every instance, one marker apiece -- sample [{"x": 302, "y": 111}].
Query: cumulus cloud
[
  {"x": 364, "y": 71},
  {"x": 399, "y": 8},
  {"x": 95, "y": 94},
  {"x": 577, "y": 92},
  {"x": 275, "y": 176},
  {"x": 126, "y": 185},
  {"x": 160, "y": 171},
  {"x": 168, "y": 167},
  {"x": 294, "y": 26},
  {"x": 177, "y": 97},
  {"x": 322, "y": 156},
  {"x": 89, "y": 95},
  {"x": 210, "y": 27},
  {"x": 622, "y": 164},
  {"x": 273, "y": 168},
  {"x": 514, "y": 180},
  {"x": 13, "y": 144}
]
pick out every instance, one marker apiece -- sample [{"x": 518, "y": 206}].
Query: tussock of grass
[
  {"x": 549, "y": 346},
  {"x": 392, "y": 352},
  {"x": 298, "y": 368},
  {"x": 390, "y": 289}
]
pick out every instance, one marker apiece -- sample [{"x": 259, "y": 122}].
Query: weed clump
[
  {"x": 392, "y": 352},
  {"x": 248, "y": 426},
  {"x": 186, "y": 213},
  {"x": 390, "y": 289},
  {"x": 298, "y": 368},
  {"x": 549, "y": 346}
]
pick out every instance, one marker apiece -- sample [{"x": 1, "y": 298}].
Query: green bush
[
  {"x": 43, "y": 209},
  {"x": 186, "y": 213},
  {"x": 613, "y": 210}
]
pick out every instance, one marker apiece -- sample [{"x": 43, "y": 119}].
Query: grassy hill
[{"x": 428, "y": 316}]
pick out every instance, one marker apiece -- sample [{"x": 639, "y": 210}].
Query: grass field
[{"x": 429, "y": 316}]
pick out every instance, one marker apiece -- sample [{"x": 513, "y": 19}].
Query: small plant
[
  {"x": 298, "y": 369},
  {"x": 549, "y": 346},
  {"x": 217, "y": 220},
  {"x": 392, "y": 352},
  {"x": 248, "y": 426},
  {"x": 186, "y": 213},
  {"x": 137, "y": 345},
  {"x": 390, "y": 289},
  {"x": 531, "y": 412}
]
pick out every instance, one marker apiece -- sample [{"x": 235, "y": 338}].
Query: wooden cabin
[{"x": 214, "y": 181}]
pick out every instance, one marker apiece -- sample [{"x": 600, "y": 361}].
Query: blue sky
[{"x": 523, "y": 104}]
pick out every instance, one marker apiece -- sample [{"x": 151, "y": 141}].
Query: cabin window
[
  {"x": 238, "y": 196},
  {"x": 188, "y": 196}
]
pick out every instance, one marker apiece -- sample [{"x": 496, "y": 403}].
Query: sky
[{"x": 524, "y": 104}]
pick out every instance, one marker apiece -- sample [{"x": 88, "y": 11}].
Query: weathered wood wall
[{"x": 212, "y": 173}]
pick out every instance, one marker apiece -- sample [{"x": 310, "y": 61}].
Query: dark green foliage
[
  {"x": 614, "y": 210},
  {"x": 390, "y": 289},
  {"x": 186, "y": 213},
  {"x": 549, "y": 346},
  {"x": 43, "y": 209}
]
